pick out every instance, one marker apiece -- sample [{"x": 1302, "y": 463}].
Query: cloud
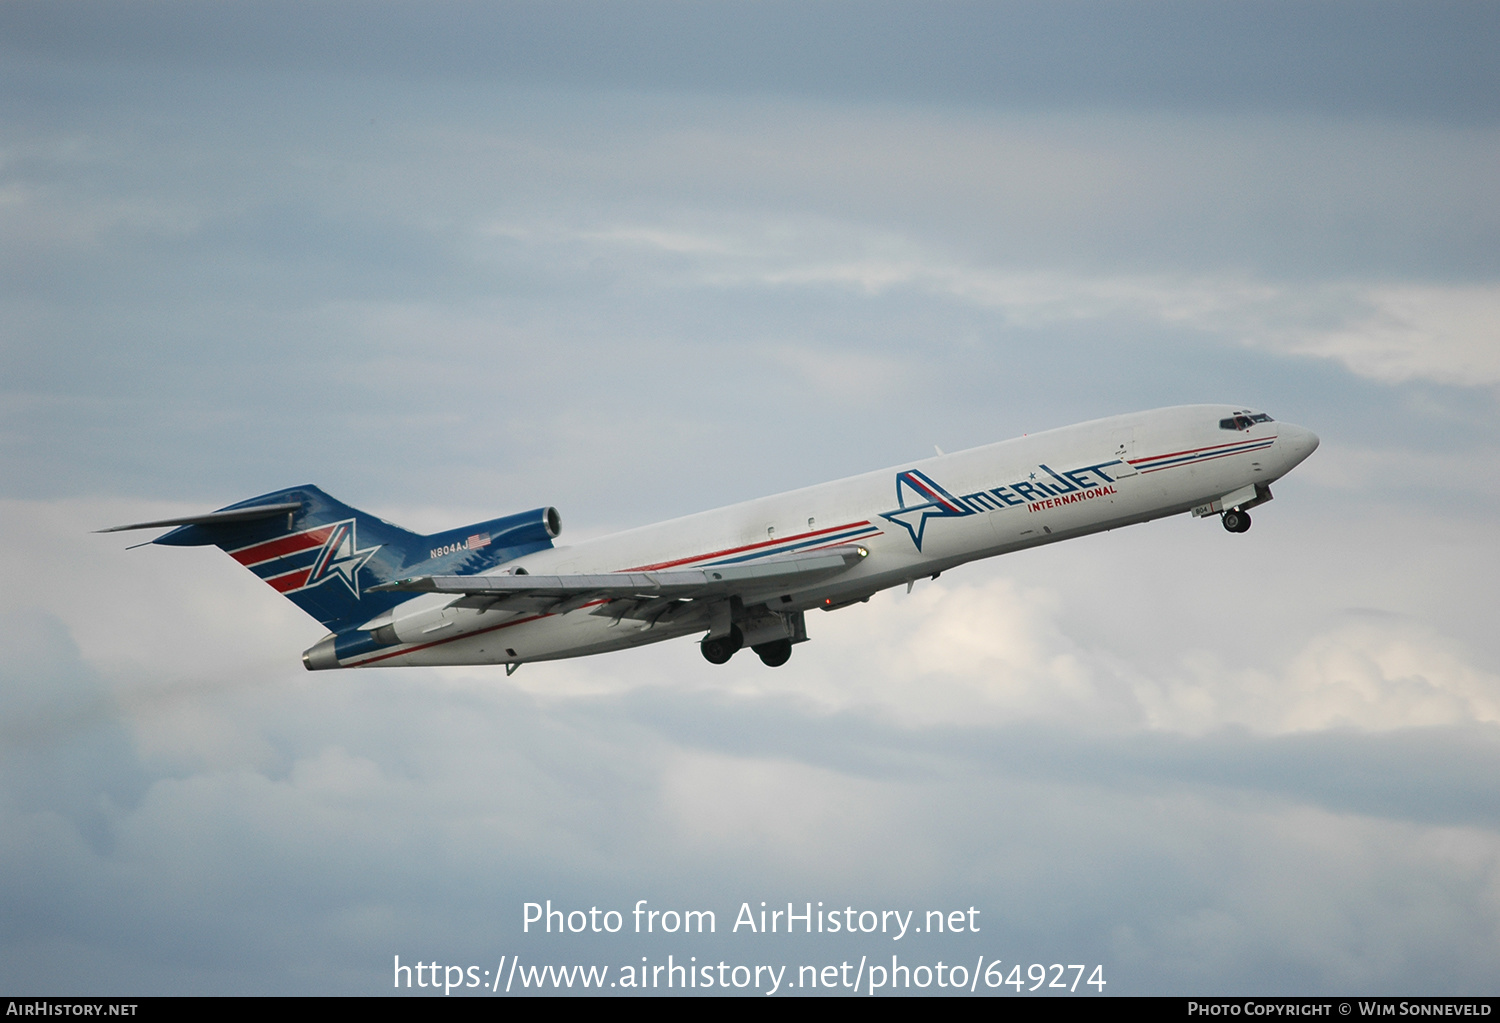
[
  {"x": 717, "y": 263},
  {"x": 1375, "y": 673},
  {"x": 938, "y": 748},
  {"x": 65, "y": 759},
  {"x": 1345, "y": 59},
  {"x": 1449, "y": 335},
  {"x": 1390, "y": 334},
  {"x": 998, "y": 653}
]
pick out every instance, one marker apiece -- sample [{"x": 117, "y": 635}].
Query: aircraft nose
[{"x": 1297, "y": 442}]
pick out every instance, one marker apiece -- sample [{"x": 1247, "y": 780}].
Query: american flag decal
[{"x": 477, "y": 541}]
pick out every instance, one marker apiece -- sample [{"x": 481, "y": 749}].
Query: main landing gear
[
  {"x": 721, "y": 648},
  {"x": 774, "y": 654},
  {"x": 1236, "y": 521}
]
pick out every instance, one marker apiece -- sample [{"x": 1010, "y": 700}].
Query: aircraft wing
[{"x": 644, "y": 595}]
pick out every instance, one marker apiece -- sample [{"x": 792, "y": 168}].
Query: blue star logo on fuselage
[{"x": 920, "y": 498}]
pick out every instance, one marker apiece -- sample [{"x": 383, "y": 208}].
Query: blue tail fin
[{"x": 325, "y": 556}]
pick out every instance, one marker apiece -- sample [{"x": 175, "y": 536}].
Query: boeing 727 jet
[{"x": 503, "y": 592}]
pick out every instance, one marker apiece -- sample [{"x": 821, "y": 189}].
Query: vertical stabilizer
[{"x": 324, "y": 555}]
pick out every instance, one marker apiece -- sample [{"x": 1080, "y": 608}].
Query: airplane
[{"x": 502, "y": 592}]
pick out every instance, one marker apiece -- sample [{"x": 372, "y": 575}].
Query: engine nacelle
[
  {"x": 427, "y": 618},
  {"x": 422, "y": 619},
  {"x": 483, "y": 545}
]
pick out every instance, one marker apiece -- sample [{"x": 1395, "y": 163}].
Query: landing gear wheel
[
  {"x": 774, "y": 655},
  {"x": 721, "y": 648},
  {"x": 1236, "y": 521}
]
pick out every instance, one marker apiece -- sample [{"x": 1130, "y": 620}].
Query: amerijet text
[{"x": 539, "y": 917}]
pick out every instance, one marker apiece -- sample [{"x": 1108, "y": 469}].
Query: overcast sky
[{"x": 450, "y": 261}]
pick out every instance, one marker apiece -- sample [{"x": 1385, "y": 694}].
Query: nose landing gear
[{"x": 1236, "y": 521}]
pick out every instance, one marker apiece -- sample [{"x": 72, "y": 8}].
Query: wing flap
[{"x": 555, "y": 593}]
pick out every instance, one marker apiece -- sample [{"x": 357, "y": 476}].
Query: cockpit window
[{"x": 1244, "y": 420}]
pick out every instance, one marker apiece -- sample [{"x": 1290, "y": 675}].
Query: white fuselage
[{"x": 916, "y": 520}]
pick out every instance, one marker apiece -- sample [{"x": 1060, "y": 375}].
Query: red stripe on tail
[
  {"x": 282, "y": 546},
  {"x": 291, "y": 581}
]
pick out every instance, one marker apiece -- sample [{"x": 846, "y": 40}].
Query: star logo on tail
[
  {"x": 920, "y": 498},
  {"x": 341, "y": 556}
]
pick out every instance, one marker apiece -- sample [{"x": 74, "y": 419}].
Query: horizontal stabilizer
[{"x": 218, "y": 518}]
